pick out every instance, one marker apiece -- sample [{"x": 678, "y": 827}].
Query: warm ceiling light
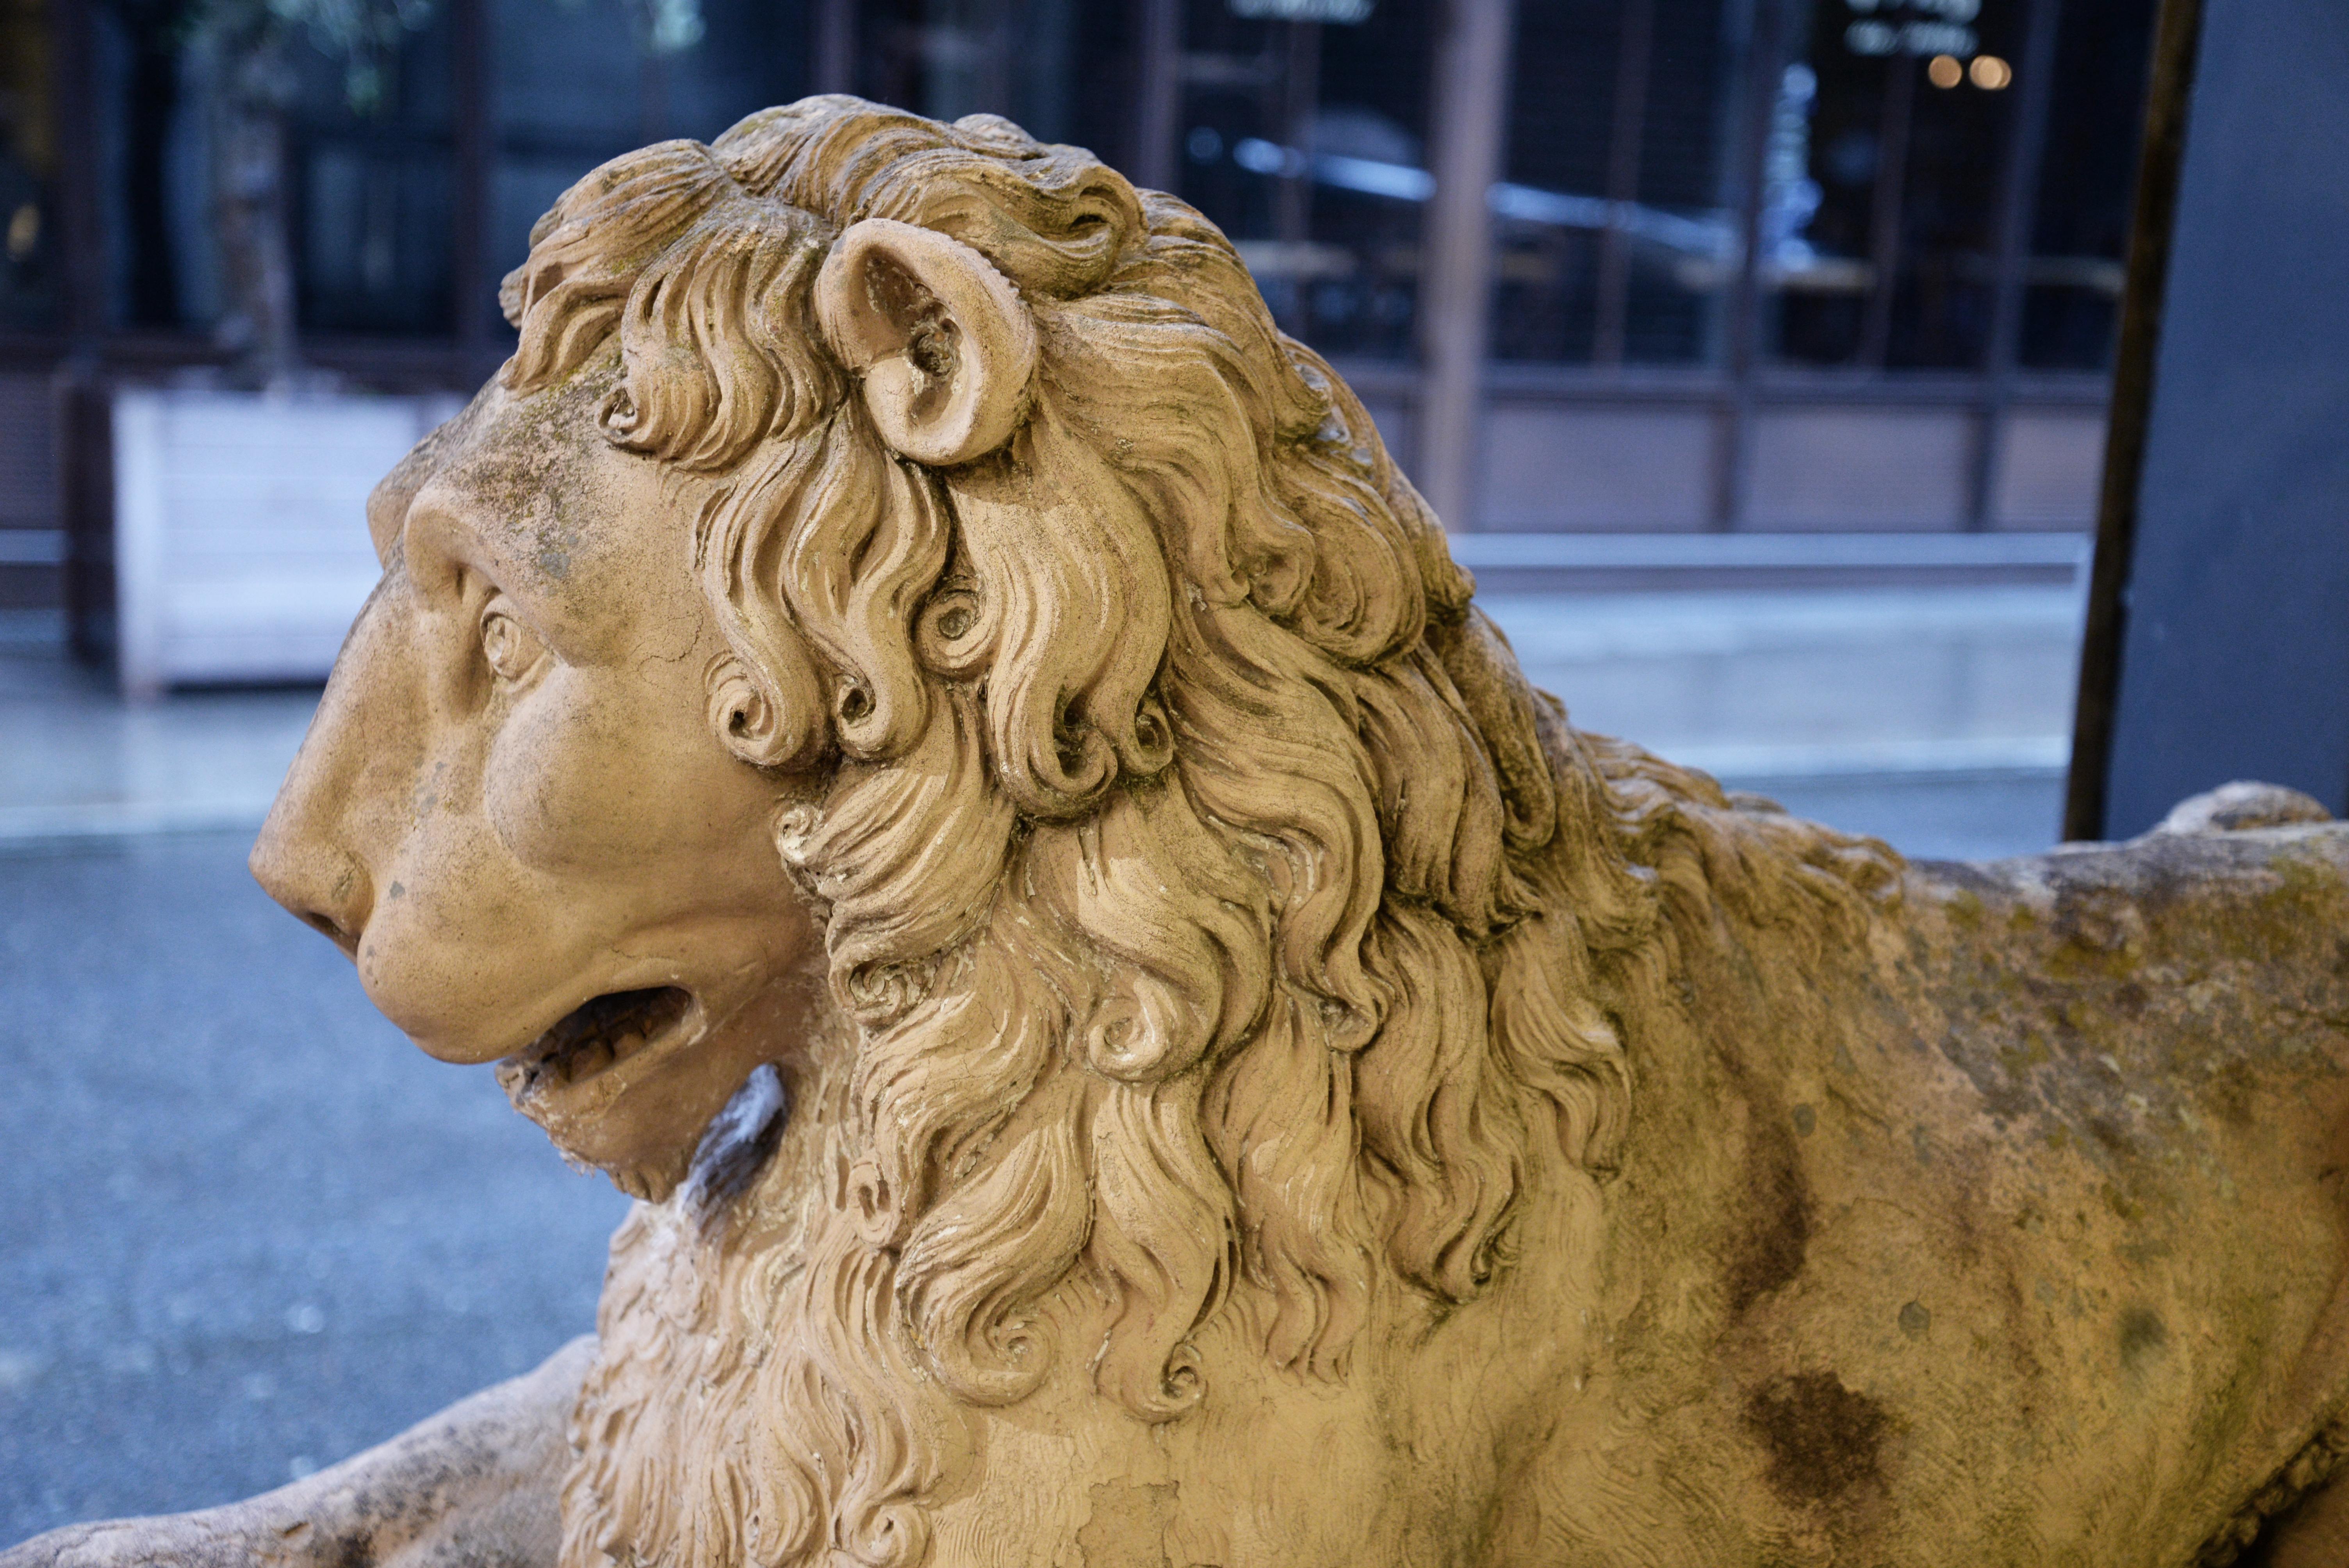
[
  {"x": 1991, "y": 73},
  {"x": 1943, "y": 71}
]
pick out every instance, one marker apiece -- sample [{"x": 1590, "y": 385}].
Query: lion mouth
[{"x": 594, "y": 1038}]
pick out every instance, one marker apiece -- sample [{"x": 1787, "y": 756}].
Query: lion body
[
  {"x": 2012, "y": 1235},
  {"x": 1224, "y": 1150},
  {"x": 1278, "y": 1094},
  {"x": 2001, "y": 1226}
]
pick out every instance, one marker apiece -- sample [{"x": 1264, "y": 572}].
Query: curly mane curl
[{"x": 1216, "y": 905}]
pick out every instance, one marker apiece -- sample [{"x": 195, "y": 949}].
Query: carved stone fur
[{"x": 1264, "y": 1089}]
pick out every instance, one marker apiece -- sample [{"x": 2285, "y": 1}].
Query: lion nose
[
  {"x": 325, "y": 886},
  {"x": 313, "y": 852},
  {"x": 304, "y": 858}
]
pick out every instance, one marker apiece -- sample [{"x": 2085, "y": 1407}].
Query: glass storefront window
[
  {"x": 2072, "y": 282},
  {"x": 1302, "y": 126},
  {"x": 948, "y": 58},
  {"x": 28, "y": 168},
  {"x": 1887, "y": 130},
  {"x": 1307, "y": 141},
  {"x": 373, "y": 192},
  {"x": 573, "y": 84},
  {"x": 366, "y": 190},
  {"x": 1616, "y": 229},
  {"x": 1905, "y": 127}
]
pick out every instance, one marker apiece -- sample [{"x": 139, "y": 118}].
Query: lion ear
[{"x": 940, "y": 337}]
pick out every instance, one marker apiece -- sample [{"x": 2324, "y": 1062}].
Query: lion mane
[{"x": 1215, "y": 909}]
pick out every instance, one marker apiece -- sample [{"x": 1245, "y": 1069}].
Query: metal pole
[
  {"x": 1158, "y": 102},
  {"x": 1300, "y": 82},
  {"x": 469, "y": 263},
  {"x": 85, "y": 449},
  {"x": 2018, "y": 206},
  {"x": 1884, "y": 214},
  {"x": 1623, "y": 147},
  {"x": 833, "y": 65},
  {"x": 1292, "y": 197},
  {"x": 1470, "y": 119},
  {"x": 82, "y": 240},
  {"x": 1733, "y": 437},
  {"x": 2177, "y": 35}
]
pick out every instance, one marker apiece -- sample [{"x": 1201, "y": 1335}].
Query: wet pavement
[{"x": 248, "y": 1228}]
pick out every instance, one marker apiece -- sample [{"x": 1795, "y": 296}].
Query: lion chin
[
  {"x": 1270, "y": 1090},
  {"x": 545, "y": 1079}
]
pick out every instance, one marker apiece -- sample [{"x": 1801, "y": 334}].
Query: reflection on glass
[
  {"x": 1306, "y": 140},
  {"x": 28, "y": 294},
  {"x": 1630, "y": 176}
]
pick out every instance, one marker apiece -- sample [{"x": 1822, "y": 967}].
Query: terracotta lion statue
[{"x": 932, "y": 743}]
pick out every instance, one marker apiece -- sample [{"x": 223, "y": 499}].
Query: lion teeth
[
  {"x": 603, "y": 1031},
  {"x": 588, "y": 1061}
]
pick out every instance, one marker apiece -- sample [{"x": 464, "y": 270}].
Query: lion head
[{"x": 903, "y": 592}]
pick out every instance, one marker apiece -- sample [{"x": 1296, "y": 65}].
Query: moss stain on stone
[{"x": 1824, "y": 1440}]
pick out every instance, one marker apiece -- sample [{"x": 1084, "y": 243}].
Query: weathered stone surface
[{"x": 937, "y": 748}]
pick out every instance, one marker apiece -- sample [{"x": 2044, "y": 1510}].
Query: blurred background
[{"x": 1756, "y": 352}]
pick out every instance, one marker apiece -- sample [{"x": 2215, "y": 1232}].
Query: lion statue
[{"x": 932, "y": 743}]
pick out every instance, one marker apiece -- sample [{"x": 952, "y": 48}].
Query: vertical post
[
  {"x": 85, "y": 455},
  {"x": 1884, "y": 209},
  {"x": 833, "y": 66},
  {"x": 2177, "y": 39},
  {"x": 82, "y": 241},
  {"x": 1158, "y": 96},
  {"x": 1300, "y": 95},
  {"x": 85, "y": 479},
  {"x": 652, "y": 96},
  {"x": 1470, "y": 114},
  {"x": 1623, "y": 147},
  {"x": 468, "y": 259},
  {"x": 2018, "y": 205},
  {"x": 1292, "y": 193},
  {"x": 992, "y": 79},
  {"x": 2234, "y": 655},
  {"x": 1733, "y": 435}
]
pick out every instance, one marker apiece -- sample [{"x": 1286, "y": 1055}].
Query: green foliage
[
  {"x": 359, "y": 35},
  {"x": 363, "y": 36},
  {"x": 663, "y": 26}
]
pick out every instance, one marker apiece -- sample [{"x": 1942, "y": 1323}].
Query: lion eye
[{"x": 507, "y": 644}]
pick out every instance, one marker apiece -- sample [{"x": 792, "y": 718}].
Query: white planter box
[{"x": 240, "y": 528}]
